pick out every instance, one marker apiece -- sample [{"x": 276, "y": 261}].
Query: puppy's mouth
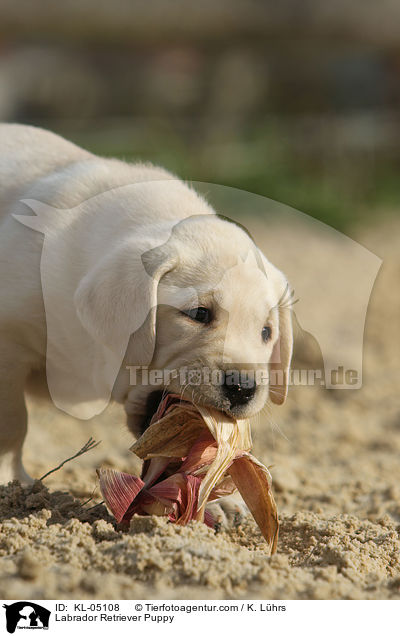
[
  {"x": 154, "y": 408},
  {"x": 153, "y": 403}
]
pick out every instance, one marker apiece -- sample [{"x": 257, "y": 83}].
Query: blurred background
[{"x": 296, "y": 101}]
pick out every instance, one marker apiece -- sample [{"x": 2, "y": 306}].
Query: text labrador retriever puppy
[{"x": 110, "y": 270}]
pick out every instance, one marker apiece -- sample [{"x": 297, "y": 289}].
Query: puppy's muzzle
[{"x": 239, "y": 394}]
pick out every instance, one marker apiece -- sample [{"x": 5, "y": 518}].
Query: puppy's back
[{"x": 27, "y": 154}]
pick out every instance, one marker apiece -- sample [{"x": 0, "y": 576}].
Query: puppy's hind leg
[{"x": 13, "y": 416}]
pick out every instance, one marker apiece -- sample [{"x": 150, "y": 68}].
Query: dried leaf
[
  {"x": 253, "y": 481},
  {"x": 208, "y": 454},
  {"x": 118, "y": 490},
  {"x": 171, "y": 436}
]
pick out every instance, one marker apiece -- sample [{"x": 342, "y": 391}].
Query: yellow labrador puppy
[{"x": 120, "y": 282}]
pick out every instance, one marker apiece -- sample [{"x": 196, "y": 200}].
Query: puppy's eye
[
  {"x": 199, "y": 314},
  {"x": 266, "y": 333}
]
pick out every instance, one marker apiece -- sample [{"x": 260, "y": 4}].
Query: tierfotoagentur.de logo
[{"x": 26, "y": 615}]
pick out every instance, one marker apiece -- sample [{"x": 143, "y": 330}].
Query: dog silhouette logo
[{"x": 26, "y": 615}]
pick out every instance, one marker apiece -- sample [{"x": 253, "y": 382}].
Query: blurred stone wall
[
  {"x": 183, "y": 82},
  {"x": 231, "y": 59}
]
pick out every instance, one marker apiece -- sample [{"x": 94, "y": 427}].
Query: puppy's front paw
[
  {"x": 6, "y": 476},
  {"x": 228, "y": 511},
  {"x": 11, "y": 468}
]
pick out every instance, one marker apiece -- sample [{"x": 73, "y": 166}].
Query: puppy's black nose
[{"x": 239, "y": 394}]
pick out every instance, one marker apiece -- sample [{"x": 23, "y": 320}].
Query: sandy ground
[{"x": 335, "y": 457}]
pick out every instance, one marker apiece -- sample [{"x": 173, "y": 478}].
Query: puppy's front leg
[
  {"x": 228, "y": 511},
  {"x": 13, "y": 415}
]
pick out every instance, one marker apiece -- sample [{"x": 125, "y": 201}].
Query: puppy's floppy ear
[
  {"x": 118, "y": 297},
  {"x": 281, "y": 356}
]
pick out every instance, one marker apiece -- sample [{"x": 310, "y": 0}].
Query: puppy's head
[{"x": 217, "y": 323}]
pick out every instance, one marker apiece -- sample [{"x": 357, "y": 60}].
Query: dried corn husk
[{"x": 213, "y": 450}]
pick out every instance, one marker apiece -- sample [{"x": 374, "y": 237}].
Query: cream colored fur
[{"x": 126, "y": 248}]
